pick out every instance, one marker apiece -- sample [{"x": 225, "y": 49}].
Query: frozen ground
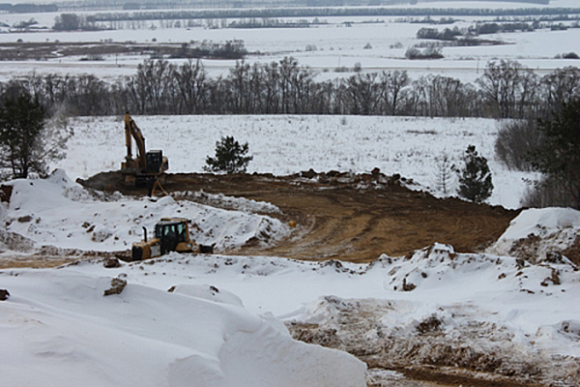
[{"x": 219, "y": 324}]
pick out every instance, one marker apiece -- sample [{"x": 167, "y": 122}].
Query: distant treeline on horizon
[
  {"x": 28, "y": 8},
  {"x": 296, "y": 8}
]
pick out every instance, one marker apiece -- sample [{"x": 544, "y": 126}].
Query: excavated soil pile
[{"x": 344, "y": 216}]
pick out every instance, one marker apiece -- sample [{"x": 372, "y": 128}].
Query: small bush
[
  {"x": 229, "y": 157},
  {"x": 431, "y": 52},
  {"x": 547, "y": 193},
  {"x": 571, "y": 55},
  {"x": 515, "y": 140}
]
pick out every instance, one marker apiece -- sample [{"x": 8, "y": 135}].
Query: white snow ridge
[{"x": 58, "y": 329}]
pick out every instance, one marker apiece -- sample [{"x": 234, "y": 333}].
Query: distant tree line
[
  {"x": 455, "y": 33},
  {"x": 325, "y": 12},
  {"x": 28, "y": 8},
  {"x": 504, "y": 21},
  {"x": 505, "y": 90}
]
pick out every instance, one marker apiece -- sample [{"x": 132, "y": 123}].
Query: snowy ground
[
  {"x": 58, "y": 329},
  {"x": 323, "y": 47},
  {"x": 288, "y": 144},
  {"x": 220, "y": 322}
]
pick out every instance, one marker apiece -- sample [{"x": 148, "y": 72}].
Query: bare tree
[
  {"x": 288, "y": 69},
  {"x": 443, "y": 174},
  {"x": 362, "y": 89},
  {"x": 237, "y": 83},
  {"x": 559, "y": 87},
  {"x": 393, "y": 84},
  {"x": 150, "y": 86},
  {"x": 515, "y": 140},
  {"x": 192, "y": 87},
  {"x": 271, "y": 79},
  {"x": 508, "y": 88}
]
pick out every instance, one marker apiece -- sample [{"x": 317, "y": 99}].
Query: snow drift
[
  {"x": 58, "y": 329},
  {"x": 59, "y": 212},
  {"x": 538, "y": 235}
]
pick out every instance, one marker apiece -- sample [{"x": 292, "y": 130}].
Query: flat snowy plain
[
  {"x": 221, "y": 324},
  {"x": 330, "y": 45}
]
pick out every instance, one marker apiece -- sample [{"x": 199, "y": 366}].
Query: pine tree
[
  {"x": 229, "y": 157},
  {"x": 475, "y": 177}
]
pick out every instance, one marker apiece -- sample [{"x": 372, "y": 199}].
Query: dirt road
[{"x": 349, "y": 217}]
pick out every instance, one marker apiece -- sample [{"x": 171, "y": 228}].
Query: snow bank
[
  {"x": 539, "y": 234},
  {"x": 68, "y": 216},
  {"x": 483, "y": 312},
  {"x": 542, "y": 222},
  {"x": 59, "y": 330},
  {"x": 402, "y": 333},
  {"x": 478, "y": 312},
  {"x": 229, "y": 202}
]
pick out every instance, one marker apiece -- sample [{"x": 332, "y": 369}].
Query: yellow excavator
[
  {"x": 171, "y": 234},
  {"x": 147, "y": 167}
]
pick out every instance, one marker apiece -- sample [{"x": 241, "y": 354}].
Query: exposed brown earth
[{"x": 348, "y": 217}]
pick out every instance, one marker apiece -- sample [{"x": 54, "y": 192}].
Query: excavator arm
[
  {"x": 147, "y": 167},
  {"x": 132, "y": 131}
]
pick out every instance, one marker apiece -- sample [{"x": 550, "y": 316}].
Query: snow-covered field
[
  {"x": 377, "y": 43},
  {"x": 289, "y": 144}
]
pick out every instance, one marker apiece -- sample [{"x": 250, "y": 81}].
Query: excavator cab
[{"x": 155, "y": 162}]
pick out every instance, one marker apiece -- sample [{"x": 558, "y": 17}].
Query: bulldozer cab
[{"x": 170, "y": 233}]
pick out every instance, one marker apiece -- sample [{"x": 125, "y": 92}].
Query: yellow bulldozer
[
  {"x": 147, "y": 168},
  {"x": 171, "y": 234}
]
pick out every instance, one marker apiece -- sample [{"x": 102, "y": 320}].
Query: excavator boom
[
  {"x": 132, "y": 132},
  {"x": 145, "y": 165}
]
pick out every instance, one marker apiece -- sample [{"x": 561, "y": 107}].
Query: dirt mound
[
  {"x": 463, "y": 352},
  {"x": 345, "y": 216}
]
